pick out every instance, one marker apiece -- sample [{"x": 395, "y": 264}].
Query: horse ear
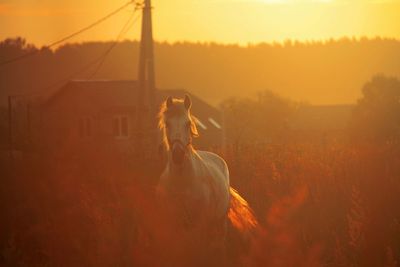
[
  {"x": 169, "y": 102},
  {"x": 187, "y": 102}
]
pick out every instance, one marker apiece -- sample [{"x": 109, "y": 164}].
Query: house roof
[
  {"x": 104, "y": 93},
  {"x": 107, "y": 94}
]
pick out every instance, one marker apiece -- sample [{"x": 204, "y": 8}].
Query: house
[
  {"x": 120, "y": 114},
  {"x": 104, "y": 112}
]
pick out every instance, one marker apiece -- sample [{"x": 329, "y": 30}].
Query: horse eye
[{"x": 188, "y": 124}]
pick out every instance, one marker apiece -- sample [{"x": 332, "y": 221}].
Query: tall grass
[{"x": 330, "y": 205}]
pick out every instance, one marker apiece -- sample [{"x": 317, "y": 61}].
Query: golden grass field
[{"x": 317, "y": 205}]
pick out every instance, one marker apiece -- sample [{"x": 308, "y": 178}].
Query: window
[
  {"x": 85, "y": 126},
  {"x": 199, "y": 123},
  {"x": 120, "y": 126},
  {"x": 214, "y": 123}
]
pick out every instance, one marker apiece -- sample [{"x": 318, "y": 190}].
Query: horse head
[{"x": 178, "y": 127}]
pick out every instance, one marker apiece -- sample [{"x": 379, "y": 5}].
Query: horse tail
[{"x": 240, "y": 214}]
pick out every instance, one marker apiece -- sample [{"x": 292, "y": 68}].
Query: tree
[
  {"x": 377, "y": 114},
  {"x": 13, "y": 47},
  {"x": 261, "y": 120}
]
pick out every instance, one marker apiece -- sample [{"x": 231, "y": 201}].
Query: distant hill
[{"x": 330, "y": 72}]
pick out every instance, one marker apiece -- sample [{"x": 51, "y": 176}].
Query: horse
[{"x": 195, "y": 188}]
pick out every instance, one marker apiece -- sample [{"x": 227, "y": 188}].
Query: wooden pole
[{"x": 146, "y": 82}]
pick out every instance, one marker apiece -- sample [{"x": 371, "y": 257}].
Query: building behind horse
[
  {"x": 120, "y": 115},
  {"x": 89, "y": 112}
]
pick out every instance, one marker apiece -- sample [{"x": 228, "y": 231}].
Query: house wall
[
  {"x": 60, "y": 126},
  {"x": 61, "y": 116}
]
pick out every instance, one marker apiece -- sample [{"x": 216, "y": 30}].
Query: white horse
[{"x": 196, "y": 183}]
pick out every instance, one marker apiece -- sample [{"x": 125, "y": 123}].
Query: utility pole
[
  {"x": 146, "y": 59},
  {"x": 146, "y": 97}
]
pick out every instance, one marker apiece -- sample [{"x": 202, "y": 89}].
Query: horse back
[{"x": 215, "y": 161}]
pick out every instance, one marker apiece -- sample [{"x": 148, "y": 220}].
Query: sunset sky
[{"x": 226, "y": 21}]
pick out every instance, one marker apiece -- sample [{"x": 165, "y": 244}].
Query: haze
[{"x": 224, "y": 21}]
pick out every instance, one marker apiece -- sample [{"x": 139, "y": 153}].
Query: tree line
[{"x": 326, "y": 72}]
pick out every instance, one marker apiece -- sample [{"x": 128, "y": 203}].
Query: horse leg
[{"x": 216, "y": 247}]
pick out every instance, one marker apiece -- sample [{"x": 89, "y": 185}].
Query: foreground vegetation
[{"x": 318, "y": 205}]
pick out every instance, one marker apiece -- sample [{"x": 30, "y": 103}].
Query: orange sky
[{"x": 227, "y": 21}]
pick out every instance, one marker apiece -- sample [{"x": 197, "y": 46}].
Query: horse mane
[{"x": 177, "y": 109}]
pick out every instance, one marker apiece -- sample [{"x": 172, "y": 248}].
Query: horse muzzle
[{"x": 178, "y": 153}]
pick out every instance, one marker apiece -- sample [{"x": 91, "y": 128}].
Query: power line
[
  {"x": 69, "y": 36},
  {"x": 100, "y": 59},
  {"x": 123, "y": 31},
  {"x": 91, "y": 25}
]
